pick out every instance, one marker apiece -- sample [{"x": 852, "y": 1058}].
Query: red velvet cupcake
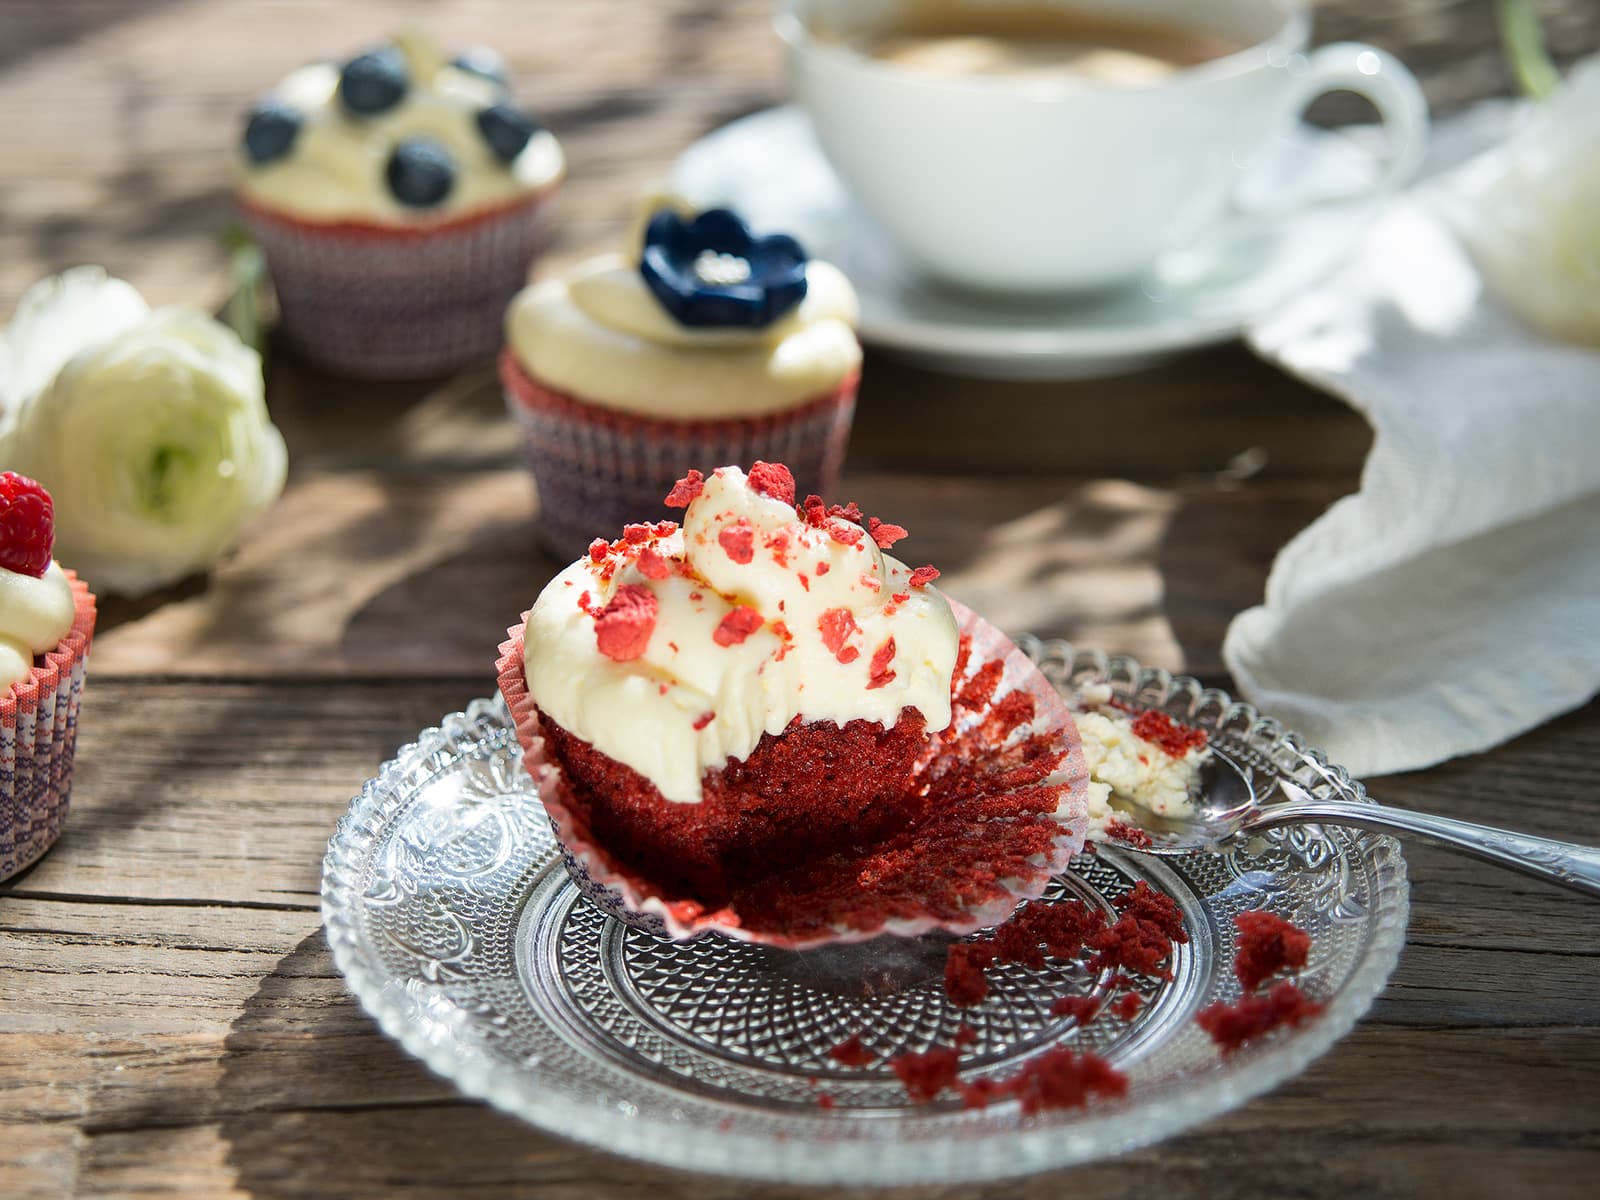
[{"x": 762, "y": 724}]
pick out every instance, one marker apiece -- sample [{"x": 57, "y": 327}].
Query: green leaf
[{"x": 1522, "y": 35}]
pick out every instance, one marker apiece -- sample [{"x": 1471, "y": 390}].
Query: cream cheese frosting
[
  {"x": 336, "y": 167},
  {"x": 673, "y": 650},
  {"x": 602, "y": 337},
  {"x": 35, "y": 614}
]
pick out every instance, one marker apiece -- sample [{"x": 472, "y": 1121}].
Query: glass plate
[{"x": 450, "y": 914}]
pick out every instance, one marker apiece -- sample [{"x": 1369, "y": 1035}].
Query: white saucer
[{"x": 770, "y": 168}]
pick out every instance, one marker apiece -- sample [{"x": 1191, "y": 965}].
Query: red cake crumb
[
  {"x": 738, "y": 541},
  {"x": 1131, "y": 944},
  {"x": 1157, "y": 908},
  {"x": 1082, "y": 1009},
  {"x": 924, "y": 1076},
  {"x": 685, "y": 490},
  {"x": 1232, "y": 1025},
  {"x": 1061, "y": 1079},
  {"x": 825, "y": 1101},
  {"x": 1128, "y": 835},
  {"x": 923, "y": 576},
  {"x": 1266, "y": 945},
  {"x": 980, "y": 1092},
  {"x": 885, "y": 534},
  {"x": 1058, "y": 1078},
  {"x": 623, "y": 627},
  {"x": 1160, "y": 729},
  {"x": 836, "y": 625},
  {"x": 965, "y": 1036},
  {"x": 1127, "y": 1005},
  {"x": 772, "y": 479},
  {"x": 851, "y": 1053},
  {"x": 878, "y": 672},
  {"x": 964, "y": 980},
  {"x": 739, "y": 624}
]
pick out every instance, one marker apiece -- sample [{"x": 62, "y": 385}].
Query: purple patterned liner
[
  {"x": 596, "y": 468},
  {"x": 395, "y": 302},
  {"x": 38, "y": 737}
]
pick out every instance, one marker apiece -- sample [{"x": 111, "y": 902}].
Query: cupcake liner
[
  {"x": 397, "y": 301},
  {"x": 596, "y": 468},
  {"x": 38, "y": 735},
  {"x": 1009, "y": 767}
]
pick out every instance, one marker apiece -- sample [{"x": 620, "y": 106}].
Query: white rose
[
  {"x": 1529, "y": 212},
  {"x": 149, "y": 428}
]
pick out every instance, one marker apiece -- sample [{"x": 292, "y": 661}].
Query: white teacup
[{"x": 1029, "y": 184}]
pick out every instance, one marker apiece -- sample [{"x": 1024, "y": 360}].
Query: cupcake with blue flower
[
  {"x": 704, "y": 344},
  {"x": 400, "y": 199}
]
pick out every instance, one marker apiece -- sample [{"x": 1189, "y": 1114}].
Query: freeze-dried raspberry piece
[
  {"x": 836, "y": 625},
  {"x": 685, "y": 490},
  {"x": 885, "y": 534},
  {"x": 652, "y": 565},
  {"x": 598, "y": 549},
  {"x": 738, "y": 541},
  {"x": 878, "y": 672},
  {"x": 923, "y": 576},
  {"x": 739, "y": 624},
  {"x": 772, "y": 479},
  {"x": 622, "y": 628}
]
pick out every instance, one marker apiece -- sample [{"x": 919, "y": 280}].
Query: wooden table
[{"x": 170, "y": 1020}]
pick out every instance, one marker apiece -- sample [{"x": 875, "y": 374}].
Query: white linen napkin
[{"x": 1454, "y": 601}]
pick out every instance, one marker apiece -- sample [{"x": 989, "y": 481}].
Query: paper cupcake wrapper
[
  {"x": 38, "y": 735},
  {"x": 597, "y": 469},
  {"x": 980, "y": 764},
  {"x": 396, "y": 302}
]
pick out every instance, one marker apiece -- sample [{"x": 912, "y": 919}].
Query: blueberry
[
  {"x": 374, "y": 82},
  {"x": 506, "y": 129},
  {"x": 421, "y": 172},
  {"x": 482, "y": 62},
  {"x": 271, "y": 131}
]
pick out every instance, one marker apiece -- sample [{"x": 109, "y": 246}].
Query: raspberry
[{"x": 27, "y": 525}]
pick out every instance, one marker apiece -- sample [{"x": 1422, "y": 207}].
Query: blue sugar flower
[{"x": 711, "y": 272}]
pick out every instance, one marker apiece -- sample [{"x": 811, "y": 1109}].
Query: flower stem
[
  {"x": 242, "y": 312},
  {"x": 1522, "y": 35}
]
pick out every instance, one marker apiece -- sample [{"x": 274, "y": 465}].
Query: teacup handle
[{"x": 1381, "y": 78}]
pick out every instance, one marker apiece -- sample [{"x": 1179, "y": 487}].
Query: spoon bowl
[{"x": 1229, "y": 807}]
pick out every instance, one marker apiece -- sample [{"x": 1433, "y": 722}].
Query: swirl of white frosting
[
  {"x": 35, "y": 614},
  {"x": 603, "y": 337},
  {"x": 837, "y": 633},
  {"x": 335, "y": 171}
]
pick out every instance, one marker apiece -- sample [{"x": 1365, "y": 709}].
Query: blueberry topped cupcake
[
  {"x": 702, "y": 343},
  {"x": 763, "y": 724},
  {"x": 400, "y": 198}
]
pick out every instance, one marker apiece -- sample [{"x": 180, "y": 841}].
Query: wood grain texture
[{"x": 170, "y": 1020}]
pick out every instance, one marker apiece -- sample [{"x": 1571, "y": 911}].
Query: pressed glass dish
[{"x": 450, "y": 913}]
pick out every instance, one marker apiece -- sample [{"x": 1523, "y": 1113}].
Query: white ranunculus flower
[
  {"x": 149, "y": 428},
  {"x": 1529, "y": 212}
]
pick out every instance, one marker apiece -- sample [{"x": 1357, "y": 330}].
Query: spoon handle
[{"x": 1564, "y": 863}]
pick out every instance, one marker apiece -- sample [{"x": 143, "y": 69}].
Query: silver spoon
[{"x": 1228, "y": 809}]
